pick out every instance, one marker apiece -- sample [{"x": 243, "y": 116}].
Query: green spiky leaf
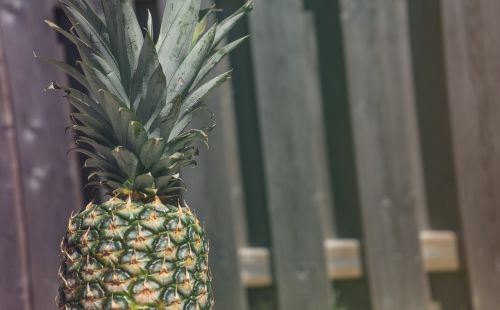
[
  {"x": 69, "y": 70},
  {"x": 144, "y": 181},
  {"x": 193, "y": 103},
  {"x": 88, "y": 34},
  {"x": 216, "y": 58},
  {"x": 151, "y": 151},
  {"x": 133, "y": 123},
  {"x": 176, "y": 33},
  {"x": 229, "y": 23},
  {"x": 126, "y": 161}
]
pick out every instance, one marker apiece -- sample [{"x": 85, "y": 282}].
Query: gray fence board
[
  {"x": 322, "y": 194},
  {"x": 216, "y": 191},
  {"x": 472, "y": 69},
  {"x": 15, "y": 289},
  {"x": 250, "y": 149},
  {"x": 339, "y": 141},
  {"x": 450, "y": 289},
  {"x": 216, "y": 188},
  {"x": 381, "y": 98},
  {"x": 50, "y": 180},
  {"x": 225, "y": 223},
  {"x": 286, "y": 85}
]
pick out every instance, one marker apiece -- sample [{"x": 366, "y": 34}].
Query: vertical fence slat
[
  {"x": 339, "y": 141},
  {"x": 216, "y": 188},
  {"x": 381, "y": 98},
  {"x": 250, "y": 149},
  {"x": 323, "y": 197},
  {"x": 450, "y": 289},
  {"x": 216, "y": 191},
  {"x": 286, "y": 85},
  {"x": 472, "y": 51},
  {"x": 50, "y": 180},
  {"x": 225, "y": 217},
  {"x": 14, "y": 261}
]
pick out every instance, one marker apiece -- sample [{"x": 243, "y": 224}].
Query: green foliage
[{"x": 142, "y": 95}]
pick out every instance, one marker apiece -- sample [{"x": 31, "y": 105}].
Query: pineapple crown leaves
[{"x": 133, "y": 123}]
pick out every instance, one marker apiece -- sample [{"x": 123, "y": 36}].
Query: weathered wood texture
[
  {"x": 323, "y": 195},
  {"x": 15, "y": 289},
  {"x": 286, "y": 83},
  {"x": 450, "y": 289},
  {"x": 49, "y": 178},
  {"x": 247, "y": 129},
  {"x": 381, "y": 99},
  {"x": 339, "y": 141},
  {"x": 218, "y": 193},
  {"x": 472, "y": 69},
  {"x": 250, "y": 149}
]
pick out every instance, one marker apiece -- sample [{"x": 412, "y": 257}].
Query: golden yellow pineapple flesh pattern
[{"x": 132, "y": 255}]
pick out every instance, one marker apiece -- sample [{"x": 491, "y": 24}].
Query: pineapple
[{"x": 143, "y": 248}]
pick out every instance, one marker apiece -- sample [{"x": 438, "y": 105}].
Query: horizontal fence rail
[{"x": 439, "y": 252}]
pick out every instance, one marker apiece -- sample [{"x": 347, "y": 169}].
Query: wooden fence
[{"x": 355, "y": 161}]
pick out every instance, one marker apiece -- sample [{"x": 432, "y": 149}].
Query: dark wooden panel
[
  {"x": 450, "y": 289},
  {"x": 50, "y": 180},
  {"x": 287, "y": 84},
  {"x": 383, "y": 120},
  {"x": 15, "y": 289},
  {"x": 472, "y": 48}
]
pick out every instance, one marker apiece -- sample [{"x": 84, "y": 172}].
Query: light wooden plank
[
  {"x": 383, "y": 120},
  {"x": 343, "y": 259},
  {"x": 472, "y": 52},
  {"x": 256, "y": 267},
  {"x": 439, "y": 250},
  {"x": 287, "y": 83},
  {"x": 50, "y": 179},
  {"x": 15, "y": 289}
]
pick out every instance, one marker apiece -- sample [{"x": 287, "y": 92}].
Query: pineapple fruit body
[
  {"x": 143, "y": 249},
  {"x": 133, "y": 255}
]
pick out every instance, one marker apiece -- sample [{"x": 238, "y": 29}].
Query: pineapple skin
[{"x": 132, "y": 255}]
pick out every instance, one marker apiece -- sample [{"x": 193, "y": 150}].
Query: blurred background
[{"x": 356, "y": 162}]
